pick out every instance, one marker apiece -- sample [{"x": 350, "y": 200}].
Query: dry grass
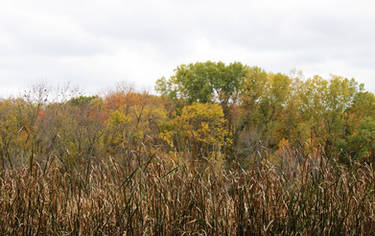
[{"x": 150, "y": 195}]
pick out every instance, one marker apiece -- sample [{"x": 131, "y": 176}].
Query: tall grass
[{"x": 149, "y": 194}]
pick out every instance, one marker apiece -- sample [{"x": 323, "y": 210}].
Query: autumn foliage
[{"x": 220, "y": 149}]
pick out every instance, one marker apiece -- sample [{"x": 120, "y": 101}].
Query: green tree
[
  {"x": 204, "y": 82},
  {"x": 358, "y": 142}
]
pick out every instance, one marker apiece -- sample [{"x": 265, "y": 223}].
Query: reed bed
[{"x": 151, "y": 195}]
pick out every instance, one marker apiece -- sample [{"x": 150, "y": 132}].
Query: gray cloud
[{"x": 96, "y": 43}]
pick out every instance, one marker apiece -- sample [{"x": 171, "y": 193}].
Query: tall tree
[{"x": 204, "y": 82}]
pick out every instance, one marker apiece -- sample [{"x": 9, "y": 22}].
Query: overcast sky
[{"x": 95, "y": 43}]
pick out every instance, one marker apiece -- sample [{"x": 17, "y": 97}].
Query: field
[{"x": 146, "y": 195}]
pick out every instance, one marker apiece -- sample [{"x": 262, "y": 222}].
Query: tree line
[{"x": 205, "y": 110}]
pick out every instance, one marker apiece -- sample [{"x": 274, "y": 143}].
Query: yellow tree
[
  {"x": 264, "y": 97},
  {"x": 200, "y": 130}
]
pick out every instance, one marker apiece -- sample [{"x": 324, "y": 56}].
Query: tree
[
  {"x": 360, "y": 129},
  {"x": 360, "y": 145},
  {"x": 9, "y": 130},
  {"x": 204, "y": 82},
  {"x": 200, "y": 129},
  {"x": 322, "y": 111},
  {"x": 264, "y": 97},
  {"x": 134, "y": 119}
]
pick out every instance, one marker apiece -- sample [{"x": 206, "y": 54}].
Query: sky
[{"x": 94, "y": 44}]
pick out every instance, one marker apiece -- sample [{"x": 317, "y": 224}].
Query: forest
[{"x": 217, "y": 149}]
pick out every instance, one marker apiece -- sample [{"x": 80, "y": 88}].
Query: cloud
[{"x": 96, "y": 43}]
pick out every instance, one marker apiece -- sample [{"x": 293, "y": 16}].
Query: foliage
[
  {"x": 226, "y": 149},
  {"x": 81, "y": 100},
  {"x": 204, "y": 82},
  {"x": 200, "y": 128}
]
